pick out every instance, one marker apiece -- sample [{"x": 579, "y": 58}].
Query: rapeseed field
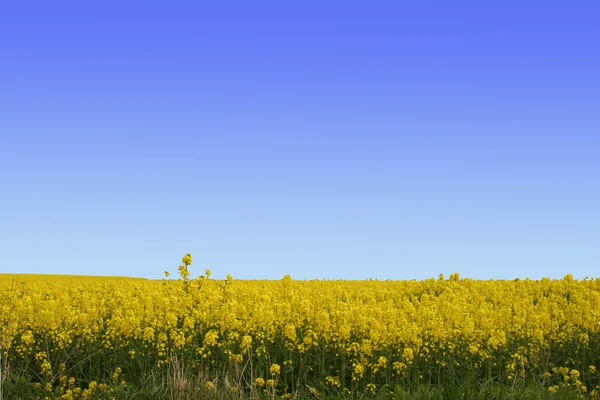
[{"x": 70, "y": 337}]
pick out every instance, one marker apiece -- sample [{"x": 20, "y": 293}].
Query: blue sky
[{"x": 390, "y": 140}]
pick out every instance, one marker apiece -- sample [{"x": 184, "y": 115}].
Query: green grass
[{"x": 176, "y": 386}]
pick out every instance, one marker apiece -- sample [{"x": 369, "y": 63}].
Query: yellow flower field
[{"x": 73, "y": 336}]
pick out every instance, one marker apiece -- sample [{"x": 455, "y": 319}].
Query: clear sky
[{"x": 320, "y": 139}]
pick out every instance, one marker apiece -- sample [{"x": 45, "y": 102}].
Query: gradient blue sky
[{"x": 390, "y": 140}]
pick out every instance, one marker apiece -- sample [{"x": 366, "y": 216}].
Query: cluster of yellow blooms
[{"x": 345, "y": 334}]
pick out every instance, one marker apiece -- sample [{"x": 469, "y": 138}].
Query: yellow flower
[
  {"x": 187, "y": 259},
  {"x": 275, "y": 369},
  {"x": 260, "y": 382},
  {"x": 332, "y": 381},
  {"x": 207, "y": 272},
  {"x": 115, "y": 375},
  {"x": 473, "y": 348},
  {"x": 371, "y": 387},
  {"x": 246, "y": 343},
  {"x": 358, "y": 372}
]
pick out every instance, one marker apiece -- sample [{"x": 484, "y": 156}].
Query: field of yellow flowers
[{"x": 68, "y": 337}]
